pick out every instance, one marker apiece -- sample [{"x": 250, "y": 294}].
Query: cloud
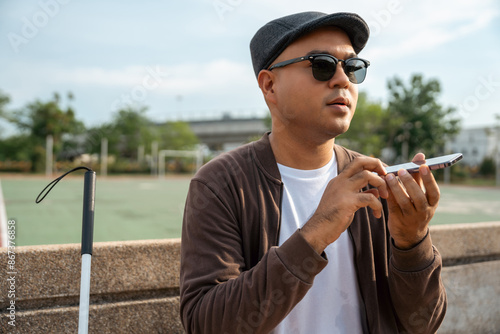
[
  {"x": 404, "y": 26},
  {"x": 128, "y": 76},
  {"x": 214, "y": 77},
  {"x": 185, "y": 78},
  {"x": 206, "y": 60},
  {"x": 430, "y": 24}
]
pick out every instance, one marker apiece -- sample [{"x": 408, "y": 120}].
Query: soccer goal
[{"x": 196, "y": 155}]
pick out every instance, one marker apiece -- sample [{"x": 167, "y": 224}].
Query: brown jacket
[{"x": 235, "y": 280}]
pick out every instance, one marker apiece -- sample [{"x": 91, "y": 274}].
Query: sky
[{"x": 190, "y": 59}]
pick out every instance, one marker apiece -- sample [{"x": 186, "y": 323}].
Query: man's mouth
[{"x": 339, "y": 101}]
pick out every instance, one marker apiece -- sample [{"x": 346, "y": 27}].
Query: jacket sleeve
[
  {"x": 416, "y": 288},
  {"x": 217, "y": 293}
]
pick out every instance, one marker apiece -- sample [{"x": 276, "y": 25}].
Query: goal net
[{"x": 196, "y": 155}]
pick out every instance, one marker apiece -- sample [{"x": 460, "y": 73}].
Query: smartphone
[{"x": 433, "y": 163}]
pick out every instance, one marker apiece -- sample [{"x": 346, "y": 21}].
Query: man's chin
[{"x": 339, "y": 129}]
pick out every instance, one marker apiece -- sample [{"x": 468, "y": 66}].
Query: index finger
[
  {"x": 430, "y": 184},
  {"x": 418, "y": 158},
  {"x": 365, "y": 163}
]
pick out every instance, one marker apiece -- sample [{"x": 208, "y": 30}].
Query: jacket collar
[{"x": 266, "y": 161}]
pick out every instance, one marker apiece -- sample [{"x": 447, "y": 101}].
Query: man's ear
[{"x": 266, "y": 80}]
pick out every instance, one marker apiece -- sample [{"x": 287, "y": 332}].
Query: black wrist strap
[{"x": 54, "y": 182}]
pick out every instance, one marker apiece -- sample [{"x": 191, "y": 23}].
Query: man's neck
[{"x": 301, "y": 154}]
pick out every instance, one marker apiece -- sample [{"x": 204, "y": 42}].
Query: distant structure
[
  {"x": 476, "y": 144},
  {"x": 226, "y": 133}
]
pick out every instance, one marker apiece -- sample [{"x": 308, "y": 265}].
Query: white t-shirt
[{"x": 333, "y": 304}]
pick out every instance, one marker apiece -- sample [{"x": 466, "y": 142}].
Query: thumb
[{"x": 418, "y": 157}]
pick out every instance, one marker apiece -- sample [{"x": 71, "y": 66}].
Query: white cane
[{"x": 87, "y": 240}]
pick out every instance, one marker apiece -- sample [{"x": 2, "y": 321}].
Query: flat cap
[{"x": 274, "y": 37}]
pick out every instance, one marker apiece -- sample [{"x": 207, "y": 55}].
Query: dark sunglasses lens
[
  {"x": 323, "y": 68},
  {"x": 355, "y": 70}
]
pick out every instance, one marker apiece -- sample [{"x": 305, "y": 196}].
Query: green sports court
[
  {"x": 130, "y": 208},
  {"x": 144, "y": 207}
]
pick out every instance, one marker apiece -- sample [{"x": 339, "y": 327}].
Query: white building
[{"x": 476, "y": 144}]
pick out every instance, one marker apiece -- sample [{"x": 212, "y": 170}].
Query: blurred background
[{"x": 145, "y": 92}]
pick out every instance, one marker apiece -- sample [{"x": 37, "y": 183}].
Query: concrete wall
[
  {"x": 134, "y": 288},
  {"x": 135, "y": 284},
  {"x": 471, "y": 258}
]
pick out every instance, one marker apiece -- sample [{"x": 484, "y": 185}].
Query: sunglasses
[{"x": 324, "y": 66}]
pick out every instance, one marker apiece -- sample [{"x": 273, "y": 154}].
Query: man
[{"x": 289, "y": 234}]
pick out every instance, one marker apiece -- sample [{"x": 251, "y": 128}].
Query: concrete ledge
[
  {"x": 467, "y": 243},
  {"x": 135, "y": 284},
  {"x": 146, "y": 316},
  {"x": 132, "y": 269}
]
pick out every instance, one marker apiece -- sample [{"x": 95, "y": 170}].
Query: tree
[
  {"x": 488, "y": 167},
  {"x": 415, "y": 120},
  {"x": 94, "y": 136},
  {"x": 176, "y": 136},
  {"x": 4, "y": 100},
  {"x": 366, "y": 129},
  {"x": 15, "y": 148},
  {"x": 131, "y": 128},
  {"x": 38, "y": 120}
]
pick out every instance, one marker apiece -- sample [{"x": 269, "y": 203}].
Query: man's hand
[
  {"x": 342, "y": 198},
  {"x": 412, "y": 203}
]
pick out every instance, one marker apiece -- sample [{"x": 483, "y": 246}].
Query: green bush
[
  {"x": 127, "y": 167},
  {"x": 15, "y": 166},
  {"x": 487, "y": 167}
]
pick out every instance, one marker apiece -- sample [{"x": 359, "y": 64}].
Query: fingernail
[
  {"x": 424, "y": 170},
  {"x": 389, "y": 177},
  {"x": 402, "y": 172}
]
